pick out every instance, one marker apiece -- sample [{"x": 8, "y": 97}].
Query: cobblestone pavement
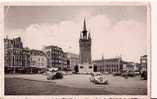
[{"x": 117, "y": 85}]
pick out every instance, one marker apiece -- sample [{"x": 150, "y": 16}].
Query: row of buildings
[
  {"x": 20, "y": 59},
  {"x": 118, "y": 65}
]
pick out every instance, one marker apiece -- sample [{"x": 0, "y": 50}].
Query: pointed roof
[{"x": 84, "y": 26}]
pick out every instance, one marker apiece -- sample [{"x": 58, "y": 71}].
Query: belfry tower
[
  {"x": 85, "y": 45},
  {"x": 85, "y": 49}
]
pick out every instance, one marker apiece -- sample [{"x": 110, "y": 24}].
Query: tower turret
[{"x": 89, "y": 37}]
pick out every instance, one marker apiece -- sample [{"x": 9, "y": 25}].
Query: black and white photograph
[{"x": 77, "y": 49}]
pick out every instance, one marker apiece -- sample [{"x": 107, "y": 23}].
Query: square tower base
[{"x": 85, "y": 68}]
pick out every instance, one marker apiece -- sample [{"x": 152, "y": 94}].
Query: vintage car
[
  {"x": 117, "y": 74},
  {"x": 98, "y": 78},
  {"x": 54, "y": 75}
]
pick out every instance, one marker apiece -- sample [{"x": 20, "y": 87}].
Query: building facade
[
  {"x": 12, "y": 52},
  {"x": 15, "y": 56},
  {"x": 143, "y": 62},
  {"x": 108, "y": 65},
  {"x": 72, "y": 60},
  {"x": 129, "y": 66},
  {"x": 26, "y": 57},
  {"x": 38, "y": 61},
  {"x": 54, "y": 56},
  {"x": 85, "y": 41}
]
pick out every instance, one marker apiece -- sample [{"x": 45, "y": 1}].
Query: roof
[
  {"x": 144, "y": 56},
  {"x": 39, "y": 52},
  {"x": 69, "y": 54},
  {"x": 53, "y": 47},
  {"x": 108, "y": 60}
]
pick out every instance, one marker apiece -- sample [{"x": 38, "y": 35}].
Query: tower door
[{"x": 95, "y": 68}]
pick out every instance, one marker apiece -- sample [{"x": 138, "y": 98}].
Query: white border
[
  {"x": 79, "y": 96},
  {"x": 154, "y": 49}
]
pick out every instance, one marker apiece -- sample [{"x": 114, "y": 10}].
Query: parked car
[
  {"x": 105, "y": 72},
  {"x": 144, "y": 75},
  {"x": 117, "y": 74},
  {"x": 128, "y": 74},
  {"x": 98, "y": 78},
  {"x": 54, "y": 75},
  {"x": 137, "y": 73}
]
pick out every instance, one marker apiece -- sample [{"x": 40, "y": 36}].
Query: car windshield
[{"x": 96, "y": 74}]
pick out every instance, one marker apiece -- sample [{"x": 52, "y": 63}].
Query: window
[
  {"x": 81, "y": 67},
  {"x": 90, "y": 67},
  {"x": 68, "y": 62}
]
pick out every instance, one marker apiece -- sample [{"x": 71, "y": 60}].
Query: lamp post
[{"x": 14, "y": 68}]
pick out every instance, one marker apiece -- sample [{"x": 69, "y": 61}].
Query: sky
[{"x": 115, "y": 30}]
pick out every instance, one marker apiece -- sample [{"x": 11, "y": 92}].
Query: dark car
[
  {"x": 128, "y": 74},
  {"x": 144, "y": 75},
  {"x": 116, "y": 74},
  {"x": 54, "y": 75}
]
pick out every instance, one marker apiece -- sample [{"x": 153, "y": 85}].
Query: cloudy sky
[{"x": 115, "y": 30}]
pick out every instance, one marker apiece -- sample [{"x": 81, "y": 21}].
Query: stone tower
[{"x": 85, "y": 45}]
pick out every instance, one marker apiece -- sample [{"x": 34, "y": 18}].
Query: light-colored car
[
  {"x": 98, "y": 78},
  {"x": 50, "y": 75}
]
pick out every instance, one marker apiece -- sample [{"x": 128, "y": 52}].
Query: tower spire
[
  {"x": 84, "y": 31},
  {"x": 84, "y": 26}
]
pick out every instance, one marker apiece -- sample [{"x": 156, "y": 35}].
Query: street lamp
[{"x": 14, "y": 69}]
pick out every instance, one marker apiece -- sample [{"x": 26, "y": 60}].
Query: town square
[
  {"x": 73, "y": 85},
  {"x": 89, "y": 51}
]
